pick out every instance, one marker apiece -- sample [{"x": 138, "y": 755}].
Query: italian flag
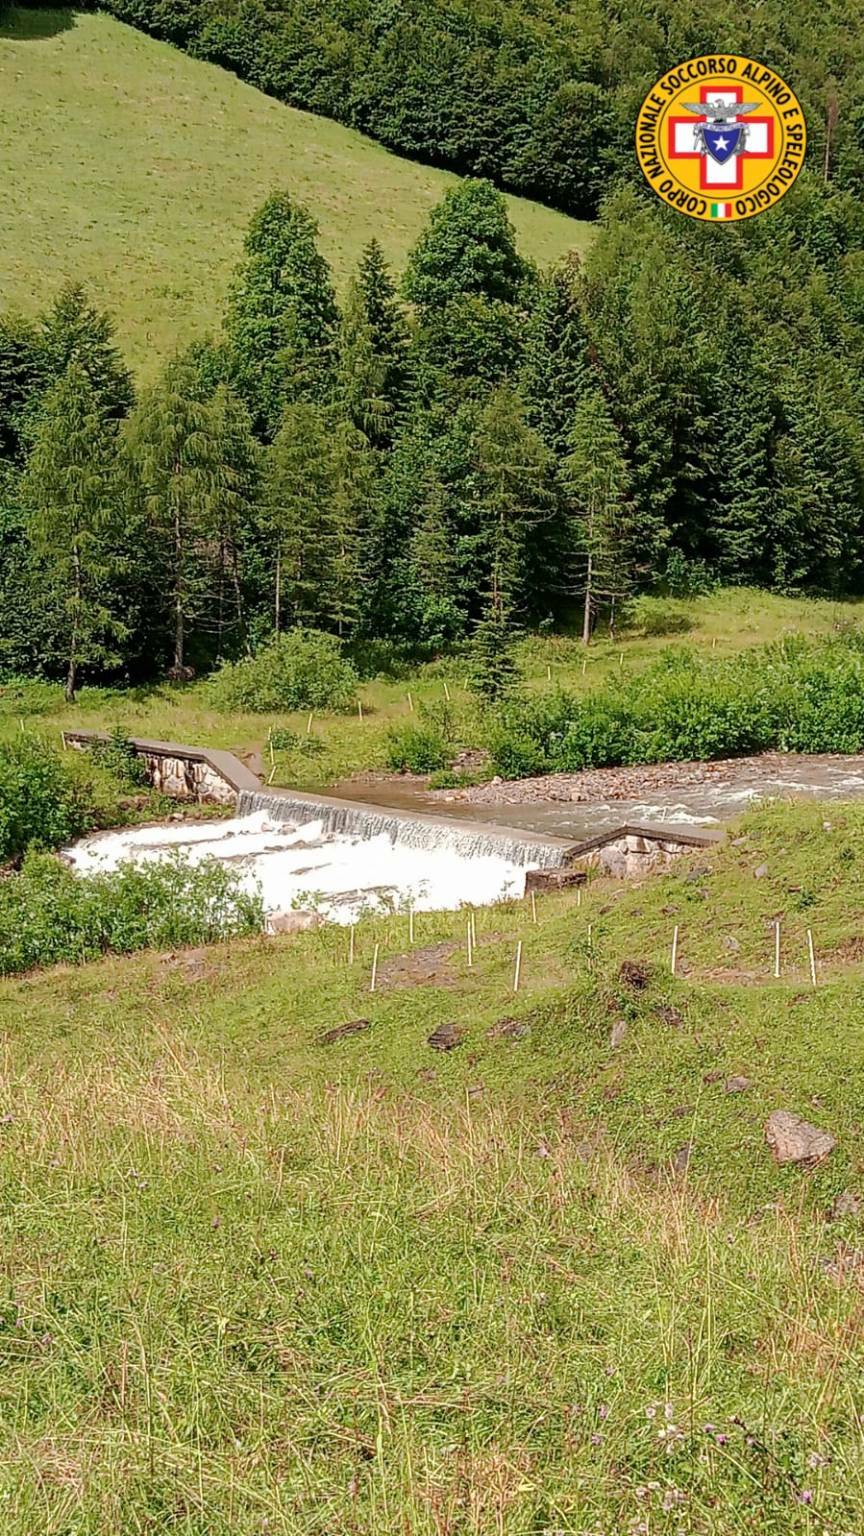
[{"x": 721, "y": 210}]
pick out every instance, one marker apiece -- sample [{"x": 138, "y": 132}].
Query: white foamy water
[{"x": 297, "y": 867}]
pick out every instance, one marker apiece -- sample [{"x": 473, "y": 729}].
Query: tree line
[
  {"x": 528, "y": 93},
  {"x": 441, "y": 458}
]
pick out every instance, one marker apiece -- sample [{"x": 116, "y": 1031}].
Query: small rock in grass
[
  {"x": 681, "y": 1158},
  {"x": 793, "y": 1140},
  {"x": 670, "y": 1016},
  {"x": 619, "y": 1033},
  {"x": 507, "y": 1029},
  {"x": 682, "y": 1111},
  {"x": 737, "y": 1084},
  {"x": 339, "y": 1031},
  {"x": 731, "y": 943},
  {"x": 445, "y": 1038},
  {"x": 846, "y": 1204},
  {"x": 634, "y": 974},
  {"x": 760, "y": 871}
]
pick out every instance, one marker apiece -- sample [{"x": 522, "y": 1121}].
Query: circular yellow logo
[{"x": 721, "y": 137}]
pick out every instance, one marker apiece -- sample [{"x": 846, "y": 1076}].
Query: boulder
[
  {"x": 793, "y": 1140},
  {"x": 292, "y": 922}
]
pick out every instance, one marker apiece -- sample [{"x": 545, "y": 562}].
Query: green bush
[
  {"x": 303, "y": 669},
  {"x": 119, "y": 758},
  {"x": 50, "y": 915},
  {"x": 44, "y": 797},
  {"x": 798, "y": 696},
  {"x": 419, "y": 748}
]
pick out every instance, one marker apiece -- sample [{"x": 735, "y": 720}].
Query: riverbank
[{"x": 769, "y": 773}]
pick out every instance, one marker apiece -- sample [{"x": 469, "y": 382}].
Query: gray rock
[
  {"x": 846, "y": 1204},
  {"x": 731, "y": 944},
  {"x": 760, "y": 871},
  {"x": 681, "y": 1158},
  {"x": 619, "y": 1033},
  {"x": 793, "y": 1140},
  {"x": 292, "y": 922},
  {"x": 737, "y": 1084}
]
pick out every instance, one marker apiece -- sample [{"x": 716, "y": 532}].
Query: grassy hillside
[
  {"x": 254, "y": 1282},
  {"x": 135, "y": 169},
  {"x": 724, "y": 622}
]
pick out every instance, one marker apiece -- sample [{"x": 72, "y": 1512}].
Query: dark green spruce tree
[{"x": 281, "y": 319}]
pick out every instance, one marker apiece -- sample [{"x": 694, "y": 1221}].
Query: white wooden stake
[
  {"x": 473, "y": 931},
  {"x": 533, "y": 908},
  {"x": 674, "y": 949},
  {"x": 470, "y": 950},
  {"x": 410, "y": 704},
  {"x": 518, "y": 969},
  {"x": 621, "y": 659},
  {"x": 410, "y": 925},
  {"x": 360, "y": 708},
  {"x": 584, "y": 665},
  {"x": 548, "y": 674},
  {"x": 714, "y": 643},
  {"x": 812, "y": 957},
  {"x": 351, "y": 944},
  {"x": 374, "y": 969},
  {"x": 446, "y": 691},
  {"x": 270, "y": 745},
  {"x": 309, "y": 726},
  {"x": 777, "y": 947}
]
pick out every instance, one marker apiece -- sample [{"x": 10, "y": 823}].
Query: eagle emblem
[{"x": 719, "y": 136}]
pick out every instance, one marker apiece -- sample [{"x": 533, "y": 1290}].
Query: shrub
[
  {"x": 303, "y": 669},
  {"x": 799, "y": 696},
  {"x": 119, "y": 758},
  {"x": 417, "y": 748},
  {"x": 50, "y": 915},
  {"x": 44, "y": 802}
]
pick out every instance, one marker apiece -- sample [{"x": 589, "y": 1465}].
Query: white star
[{"x": 721, "y": 143}]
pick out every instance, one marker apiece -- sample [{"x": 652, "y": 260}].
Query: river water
[{"x": 392, "y": 864}]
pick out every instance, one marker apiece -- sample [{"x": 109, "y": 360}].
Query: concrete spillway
[{"x": 409, "y": 830}]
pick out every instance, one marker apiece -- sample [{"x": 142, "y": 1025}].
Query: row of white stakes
[
  {"x": 673, "y": 959},
  {"x": 471, "y": 937}
]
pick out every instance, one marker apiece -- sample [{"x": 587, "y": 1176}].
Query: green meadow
[
  {"x": 133, "y": 169},
  {"x": 542, "y": 1282},
  {"x": 330, "y": 747}
]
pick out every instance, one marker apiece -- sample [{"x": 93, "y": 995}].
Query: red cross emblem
[{"x": 686, "y": 141}]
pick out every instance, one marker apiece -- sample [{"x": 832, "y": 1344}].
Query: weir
[{"x": 408, "y": 829}]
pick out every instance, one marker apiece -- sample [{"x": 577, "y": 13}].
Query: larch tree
[
  {"x": 175, "y": 454},
  {"x": 595, "y": 480},
  {"x": 69, "y": 491}
]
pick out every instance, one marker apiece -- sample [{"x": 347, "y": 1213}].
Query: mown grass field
[
  {"x": 257, "y": 1283},
  {"x": 134, "y": 169},
  {"x": 724, "y": 622}
]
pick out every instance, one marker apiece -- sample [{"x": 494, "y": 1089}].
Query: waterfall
[{"x": 411, "y": 830}]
